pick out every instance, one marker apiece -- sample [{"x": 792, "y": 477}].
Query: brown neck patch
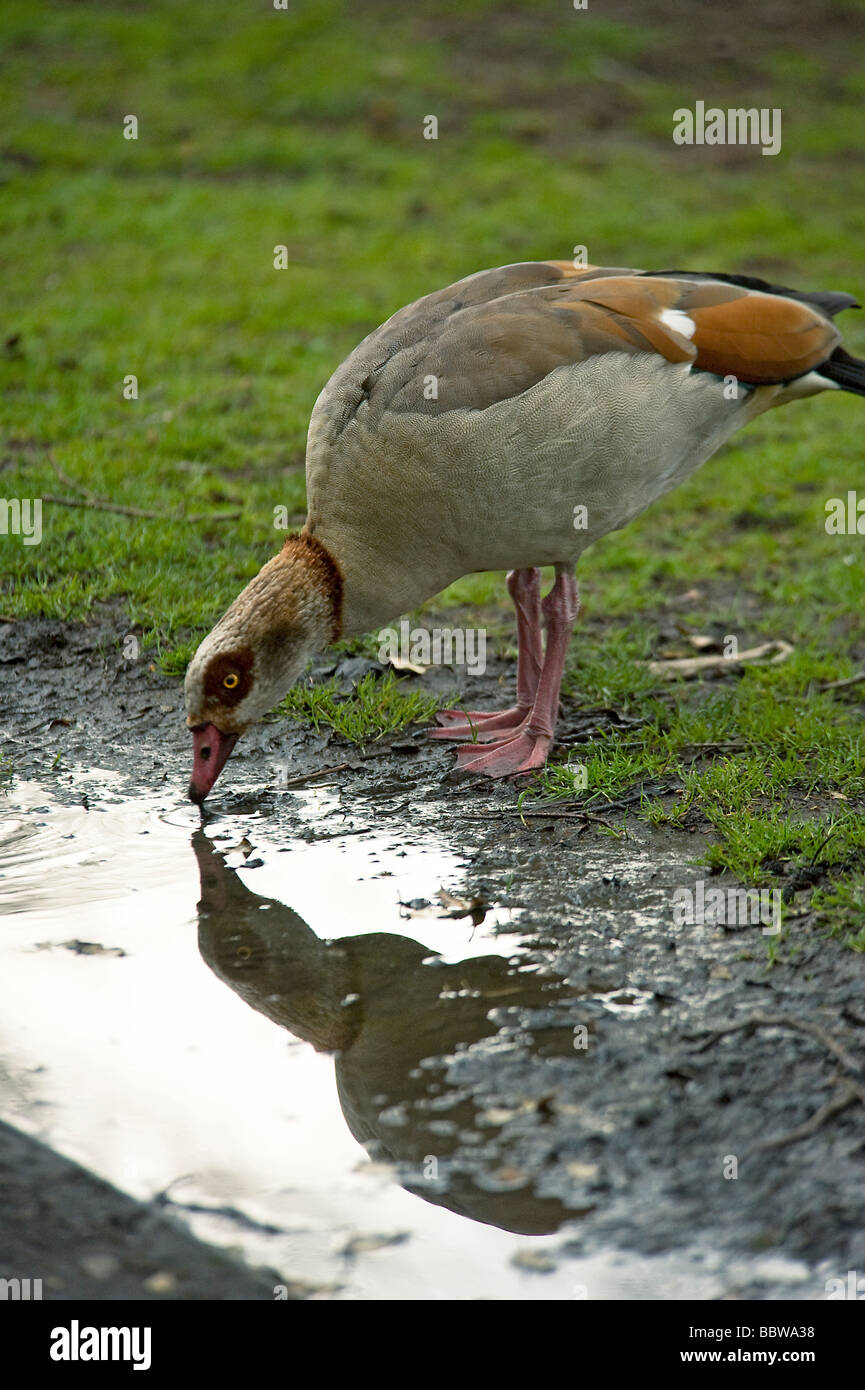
[{"x": 322, "y": 569}]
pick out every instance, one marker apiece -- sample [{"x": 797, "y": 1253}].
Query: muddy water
[{"x": 282, "y": 1036}]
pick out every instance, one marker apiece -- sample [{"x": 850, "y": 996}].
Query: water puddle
[{"x": 290, "y": 1040}]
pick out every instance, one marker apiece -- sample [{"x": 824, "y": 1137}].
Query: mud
[{"x": 523, "y": 1040}]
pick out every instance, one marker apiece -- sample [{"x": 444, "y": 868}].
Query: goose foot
[
  {"x": 484, "y": 726},
  {"x": 528, "y": 731},
  {"x": 480, "y": 726},
  {"x": 525, "y": 751}
]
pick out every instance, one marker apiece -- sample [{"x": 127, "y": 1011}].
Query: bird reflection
[{"x": 393, "y": 1014}]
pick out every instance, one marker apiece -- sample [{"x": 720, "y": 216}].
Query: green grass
[
  {"x": 375, "y": 707},
  {"x": 792, "y": 747},
  {"x": 303, "y": 128},
  {"x": 841, "y": 907}
]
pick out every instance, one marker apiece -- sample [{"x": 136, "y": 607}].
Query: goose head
[{"x": 257, "y": 650}]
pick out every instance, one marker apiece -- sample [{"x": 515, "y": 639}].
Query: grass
[
  {"x": 794, "y": 747},
  {"x": 303, "y": 128},
  {"x": 375, "y": 707}
]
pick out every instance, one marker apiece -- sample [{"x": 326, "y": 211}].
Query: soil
[{"x": 598, "y": 1086}]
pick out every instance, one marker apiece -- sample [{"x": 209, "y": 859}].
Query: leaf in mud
[
  {"x": 100, "y": 1266},
  {"x": 535, "y": 1261},
  {"x": 362, "y": 1244},
  {"x": 510, "y": 1177},
  {"x": 401, "y": 664},
  {"x": 243, "y": 847},
  {"x": 583, "y": 1172},
  {"x": 475, "y": 908},
  {"x": 495, "y": 1116},
  {"x": 375, "y": 1169},
  {"x": 82, "y": 948}
]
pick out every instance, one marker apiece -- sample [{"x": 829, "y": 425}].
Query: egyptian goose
[{"x": 463, "y": 435}]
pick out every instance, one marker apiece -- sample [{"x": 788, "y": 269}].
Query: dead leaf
[
  {"x": 536, "y": 1261},
  {"x": 362, "y": 1244},
  {"x": 399, "y": 664}
]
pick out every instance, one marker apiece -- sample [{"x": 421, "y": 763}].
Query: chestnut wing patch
[{"x": 759, "y": 338}]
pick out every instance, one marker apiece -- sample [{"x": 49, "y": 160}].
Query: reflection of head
[{"x": 392, "y": 1012}]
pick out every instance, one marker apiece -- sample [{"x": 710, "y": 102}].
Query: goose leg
[
  {"x": 527, "y": 746},
  {"x": 524, "y": 587}
]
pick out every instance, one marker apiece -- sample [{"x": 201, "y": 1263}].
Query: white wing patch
[{"x": 679, "y": 321}]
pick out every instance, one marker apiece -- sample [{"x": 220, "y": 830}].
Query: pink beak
[{"x": 211, "y": 750}]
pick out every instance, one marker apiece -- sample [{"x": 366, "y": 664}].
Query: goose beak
[{"x": 211, "y": 749}]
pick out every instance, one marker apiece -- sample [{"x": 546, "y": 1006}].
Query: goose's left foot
[
  {"x": 483, "y": 726},
  {"x": 478, "y": 725},
  {"x": 524, "y": 752},
  {"x": 525, "y": 749}
]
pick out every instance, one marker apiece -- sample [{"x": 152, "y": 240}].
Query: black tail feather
[
  {"x": 847, "y": 371},
  {"x": 826, "y": 302}
]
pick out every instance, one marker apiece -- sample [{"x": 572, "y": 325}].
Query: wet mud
[{"x": 556, "y": 1090}]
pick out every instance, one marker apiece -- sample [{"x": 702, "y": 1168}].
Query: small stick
[
  {"x": 536, "y": 815},
  {"x": 311, "y": 776},
  {"x": 99, "y": 504},
  {"x": 813, "y": 1030},
  {"x": 842, "y": 1101},
  {"x": 840, "y": 685}
]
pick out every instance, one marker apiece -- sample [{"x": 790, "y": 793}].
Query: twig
[
  {"x": 841, "y": 685},
  {"x": 99, "y": 504},
  {"x": 823, "y": 843},
  {"x": 854, "y": 1090},
  {"x": 813, "y": 1030},
  {"x": 311, "y": 776},
  {"x": 69, "y": 482},
  {"x": 694, "y": 665},
  {"x": 731, "y": 746},
  {"x": 536, "y": 815},
  {"x": 842, "y": 1101},
  {"x": 89, "y": 499}
]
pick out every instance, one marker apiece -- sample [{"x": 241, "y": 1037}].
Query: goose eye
[{"x": 231, "y": 680}]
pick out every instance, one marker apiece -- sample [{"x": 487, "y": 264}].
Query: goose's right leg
[{"x": 524, "y": 587}]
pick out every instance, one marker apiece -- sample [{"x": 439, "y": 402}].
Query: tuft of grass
[
  {"x": 841, "y": 906},
  {"x": 769, "y": 763},
  {"x": 377, "y": 706}
]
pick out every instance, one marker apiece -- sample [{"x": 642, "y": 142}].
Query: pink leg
[
  {"x": 527, "y": 746},
  {"x": 524, "y": 587}
]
